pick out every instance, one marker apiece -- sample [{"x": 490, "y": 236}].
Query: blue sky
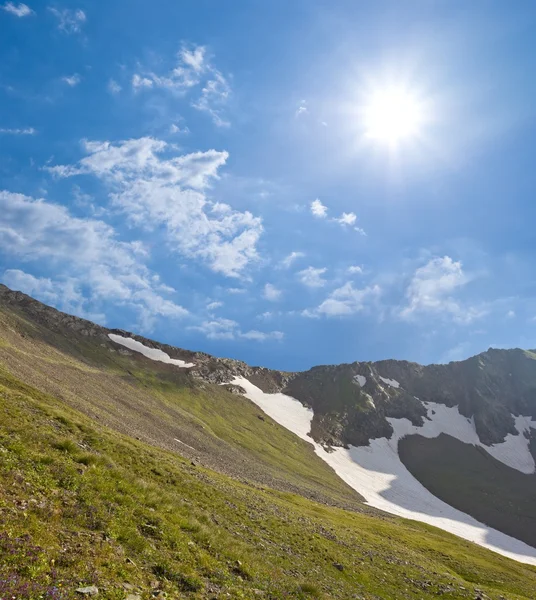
[{"x": 206, "y": 173}]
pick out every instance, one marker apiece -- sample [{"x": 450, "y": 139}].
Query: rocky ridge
[{"x": 351, "y": 402}]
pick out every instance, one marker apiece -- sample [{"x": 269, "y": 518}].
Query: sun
[{"x": 392, "y": 115}]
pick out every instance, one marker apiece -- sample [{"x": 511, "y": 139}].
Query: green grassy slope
[
  {"x": 83, "y": 505},
  {"x": 472, "y": 481},
  {"x": 161, "y": 404}
]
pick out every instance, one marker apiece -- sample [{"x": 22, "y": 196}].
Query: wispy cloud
[
  {"x": 302, "y": 109},
  {"x": 69, "y": 21},
  {"x": 175, "y": 129},
  {"x": 193, "y": 68},
  {"x": 432, "y": 290},
  {"x": 214, "y": 96},
  {"x": 214, "y": 305},
  {"x": 72, "y": 80},
  {"x": 289, "y": 260},
  {"x": 344, "y": 301},
  {"x": 355, "y": 270},
  {"x": 227, "y": 329},
  {"x": 24, "y": 131},
  {"x": 19, "y": 10},
  {"x": 312, "y": 277},
  {"x": 113, "y": 87},
  {"x": 272, "y": 293},
  {"x": 170, "y": 192}
]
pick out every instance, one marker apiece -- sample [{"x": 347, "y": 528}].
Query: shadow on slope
[{"x": 472, "y": 481}]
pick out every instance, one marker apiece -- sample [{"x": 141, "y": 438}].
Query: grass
[{"x": 142, "y": 516}]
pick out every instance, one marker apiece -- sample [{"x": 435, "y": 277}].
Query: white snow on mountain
[
  {"x": 378, "y": 474},
  {"x": 392, "y": 382},
  {"x": 361, "y": 379},
  {"x": 152, "y": 353}
]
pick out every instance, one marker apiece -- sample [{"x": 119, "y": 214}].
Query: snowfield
[
  {"x": 361, "y": 379},
  {"x": 378, "y": 474},
  {"x": 152, "y": 353},
  {"x": 392, "y": 382}
]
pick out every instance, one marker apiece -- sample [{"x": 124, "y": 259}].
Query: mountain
[{"x": 136, "y": 468}]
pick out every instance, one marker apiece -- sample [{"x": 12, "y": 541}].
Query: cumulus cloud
[
  {"x": 289, "y": 260},
  {"x": 19, "y": 10},
  {"x": 227, "y": 329},
  {"x": 346, "y": 300},
  {"x": 318, "y": 209},
  {"x": 432, "y": 290},
  {"x": 312, "y": 277},
  {"x": 69, "y": 21},
  {"x": 24, "y": 131},
  {"x": 347, "y": 219},
  {"x": 271, "y": 293},
  {"x": 72, "y": 80},
  {"x": 170, "y": 192},
  {"x": 355, "y": 269},
  {"x": 193, "y": 68},
  {"x": 85, "y": 251}
]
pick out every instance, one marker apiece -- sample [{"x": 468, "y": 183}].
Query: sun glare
[{"x": 392, "y": 115}]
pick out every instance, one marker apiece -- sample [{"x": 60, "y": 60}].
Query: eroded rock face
[{"x": 351, "y": 402}]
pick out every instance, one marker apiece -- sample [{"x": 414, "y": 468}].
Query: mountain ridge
[{"x": 347, "y": 412}]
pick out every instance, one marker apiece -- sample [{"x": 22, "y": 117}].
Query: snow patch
[
  {"x": 378, "y": 474},
  {"x": 513, "y": 452},
  {"x": 152, "y": 353},
  {"x": 392, "y": 382},
  {"x": 361, "y": 379}
]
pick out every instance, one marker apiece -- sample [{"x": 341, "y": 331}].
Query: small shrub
[
  {"x": 66, "y": 446},
  {"x": 310, "y": 590},
  {"x": 87, "y": 459}
]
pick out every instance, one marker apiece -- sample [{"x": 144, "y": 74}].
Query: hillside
[{"x": 142, "y": 477}]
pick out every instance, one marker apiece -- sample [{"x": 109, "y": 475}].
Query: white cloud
[
  {"x": 214, "y": 96},
  {"x": 271, "y": 293},
  {"x": 510, "y": 314},
  {"x": 347, "y": 219},
  {"x": 302, "y": 109},
  {"x": 169, "y": 192},
  {"x": 227, "y": 329},
  {"x": 139, "y": 82},
  {"x": 113, "y": 87},
  {"x": 69, "y": 21},
  {"x": 287, "y": 262},
  {"x": 318, "y": 209},
  {"x": 261, "y": 336},
  {"x": 214, "y": 305},
  {"x": 346, "y": 300},
  {"x": 432, "y": 289},
  {"x": 236, "y": 291},
  {"x": 24, "y": 131},
  {"x": 19, "y": 10},
  {"x": 312, "y": 277},
  {"x": 85, "y": 251},
  {"x": 355, "y": 269},
  {"x": 193, "y": 69},
  {"x": 65, "y": 294},
  {"x": 174, "y": 128},
  {"x": 72, "y": 80}
]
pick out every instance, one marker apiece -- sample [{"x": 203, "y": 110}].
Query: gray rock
[{"x": 90, "y": 590}]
